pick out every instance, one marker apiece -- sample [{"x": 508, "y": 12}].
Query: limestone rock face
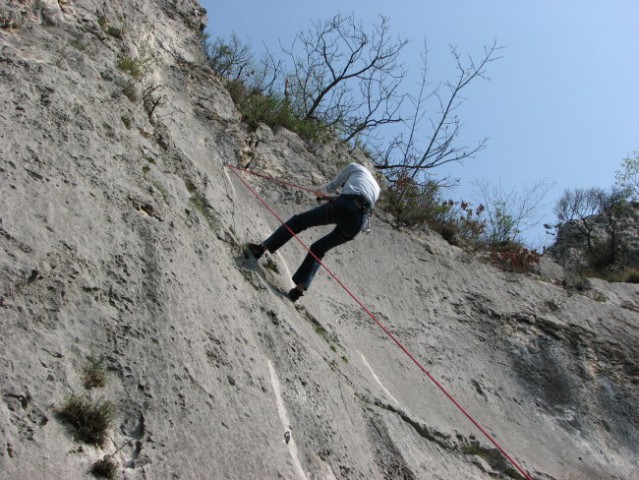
[
  {"x": 571, "y": 242},
  {"x": 121, "y": 233}
]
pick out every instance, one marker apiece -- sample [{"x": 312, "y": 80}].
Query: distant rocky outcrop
[
  {"x": 598, "y": 243},
  {"x": 124, "y": 287}
]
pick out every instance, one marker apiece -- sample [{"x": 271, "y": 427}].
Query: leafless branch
[
  {"x": 421, "y": 153},
  {"x": 346, "y": 77}
]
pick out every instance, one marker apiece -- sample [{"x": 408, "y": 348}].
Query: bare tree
[
  {"x": 420, "y": 152},
  {"x": 578, "y": 204},
  {"x": 578, "y": 208},
  {"x": 346, "y": 77},
  {"x": 581, "y": 209},
  {"x": 511, "y": 213}
]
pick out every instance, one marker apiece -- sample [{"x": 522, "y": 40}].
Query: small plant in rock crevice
[
  {"x": 89, "y": 421},
  {"x": 105, "y": 468},
  {"x": 127, "y": 121},
  {"x": 137, "y": 67},
  {"x": 202, "y": 205},
  {"x": 78, "y": 45},
  {"x": 132, "y": 66},
  {"x": 94, "y": 373},
  {"x": 109, "y": 29},
  {"x": 470, "y": 449}
]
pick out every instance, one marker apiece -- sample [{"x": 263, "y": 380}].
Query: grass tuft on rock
[
  {"x": 471, "y": 449},
  {"x": 94, "y": 374},
  {"x": 105, "y": 468},
  {"x": 89, "y": 421}
]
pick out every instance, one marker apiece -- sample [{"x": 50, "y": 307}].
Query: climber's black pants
[{"x": 345, "y": 212}]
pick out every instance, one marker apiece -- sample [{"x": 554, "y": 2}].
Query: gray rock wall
[{"x": 121, "y": 237}]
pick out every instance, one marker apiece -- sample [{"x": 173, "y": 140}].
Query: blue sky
[{"x": 562, "y": 104}]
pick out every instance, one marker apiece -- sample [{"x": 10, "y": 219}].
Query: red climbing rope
[
  {"x": 236, "y": 171},
  {"x": 272, "y": 179}
]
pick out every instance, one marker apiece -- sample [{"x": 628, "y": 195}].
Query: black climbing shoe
[
  {"x": 256, "y": 250},
  {"x": 294, "y": 294}
]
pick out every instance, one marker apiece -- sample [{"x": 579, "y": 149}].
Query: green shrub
[
  {"x": 270, "y": 110},
  {"x": 133, "y": 66},
  {"x": 413, "y": 205},
  {"x": 138, "y": 66},
  {"x": 471, "y": 449},
  {"x": 273, "y": 111},
  {"x": 233, "y": 60},
  {"x": 89, "y": 421}
]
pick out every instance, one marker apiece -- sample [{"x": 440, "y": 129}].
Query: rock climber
[{"x": 349, "y": 210}]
